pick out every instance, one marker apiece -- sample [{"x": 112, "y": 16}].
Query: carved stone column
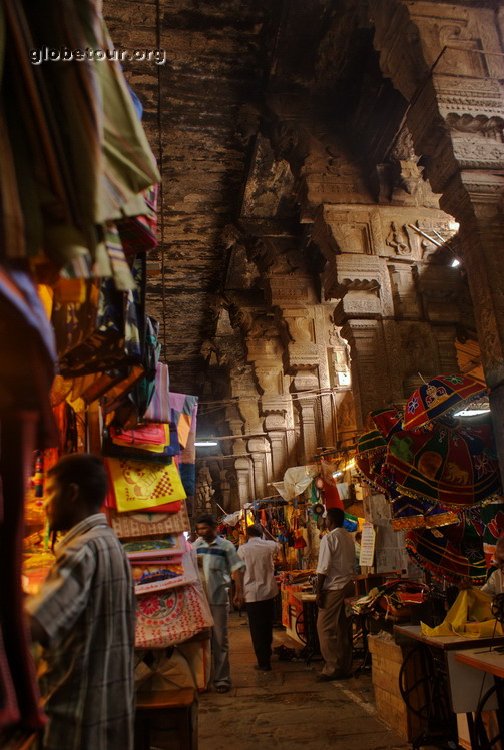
[
  {"x": 447, "y": 62},
  {"x": 307, "y": 405},
  {"x": 244, "y": 476}
]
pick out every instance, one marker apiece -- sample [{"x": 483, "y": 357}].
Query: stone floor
[{"x": 286, "y": 708}]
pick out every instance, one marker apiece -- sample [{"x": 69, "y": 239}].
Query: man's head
[
  {"x": 206, "y": 527},
  {"x": 75, "y": 489},
  {"x": 254, "y": 531},
  {"x": 335, "y": 518},
  {"x": 499, "y": 553}
]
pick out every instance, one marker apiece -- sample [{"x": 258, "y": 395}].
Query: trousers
[
  {"x": 335, "y": 632},
  {"x": 220, "y": 645},
  {"x": 260, "y": 619}
]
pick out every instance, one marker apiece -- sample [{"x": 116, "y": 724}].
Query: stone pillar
[
  {"x": 246, "y": 490},
  {"x": 307, "y": 405},
  {"x": 446, "y": 60}
]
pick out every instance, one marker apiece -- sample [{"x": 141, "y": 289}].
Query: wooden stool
[{"x": 167, "y": 711}]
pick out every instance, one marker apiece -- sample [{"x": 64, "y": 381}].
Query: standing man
[
  {"x": 83, "y": 616},
  {"x": 260, "y": 590},
  {"x": 335, "y": 571},
  {"x": 220, "y": 564}
]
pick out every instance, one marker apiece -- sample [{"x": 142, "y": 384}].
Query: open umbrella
[
  {"x": 439, "y": 397},
  {"x": 455, "y": 467},
  {"x": 388, "y": 420},
  {"x": 454, "y": 552},
  {"x": 410, "y": 513},
  {"x": 371, "y": 449}
]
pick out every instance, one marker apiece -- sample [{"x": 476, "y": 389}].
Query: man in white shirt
[
  {"x": 335, "y": 572},
  {"x": 260, "y": 589}
]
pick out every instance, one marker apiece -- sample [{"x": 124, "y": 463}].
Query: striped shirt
[
  {"x": 219, "y": 561},
  {"x": 86, "y": 608}
]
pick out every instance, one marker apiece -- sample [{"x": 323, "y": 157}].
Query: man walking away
[
  {"x": 335, "y": 571},
  {"x": 220, "y": 564},
  {"x": 84, "y": 617},
  {"x": 260, "y": 590}
]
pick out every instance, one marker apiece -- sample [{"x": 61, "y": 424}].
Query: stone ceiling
[{"x": 202, "y": 111}]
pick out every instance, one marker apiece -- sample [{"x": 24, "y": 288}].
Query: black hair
[
  {"x": 207, "y": 519},
  {"x": 87, "y": 472},
  {"x": 336, "y": 516},
  {"x": 254, "y": 530}
]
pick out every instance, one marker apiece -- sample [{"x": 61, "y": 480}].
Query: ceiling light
[
  {"x": 455, "y": 263},
  {"x": 471, "y": 412},
  {"x": 205, "y": 443}
]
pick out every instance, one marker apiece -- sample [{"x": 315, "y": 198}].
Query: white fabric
[
  {"x": 259, "y": 581},
  {"x": 336, "y": 559}
]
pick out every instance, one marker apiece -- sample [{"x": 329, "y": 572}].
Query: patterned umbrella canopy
[
  {"x": 388, "y": 420},
  {"x": 371, "y": 448},
  {"x": 454, "y": 552},
  {"x": 438, "y": 397},
  {"x": 417, "y": 513},
  {"x": 455, "y": 467}
]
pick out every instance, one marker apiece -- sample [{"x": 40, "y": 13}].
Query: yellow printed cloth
[
  {"x": 137, "y": 485},
  {"x": 470, "y": 616}
]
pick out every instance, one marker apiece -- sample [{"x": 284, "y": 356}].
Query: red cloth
[{"x": 331, "y": 496}]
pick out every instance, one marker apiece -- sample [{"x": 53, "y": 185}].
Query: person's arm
[
  {"x": 62, "y": 598},
  {"x": 320, "y": 592},
  {"x": 322, "y": 570},
  {"x": 238, "y": 597}
]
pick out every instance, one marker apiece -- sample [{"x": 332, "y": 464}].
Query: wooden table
[
  {"x": 485, "y": 668},
  {"x": 447, "y": 688}
]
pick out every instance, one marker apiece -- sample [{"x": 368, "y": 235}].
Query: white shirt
[
  {"x": 336, "y": 559},
  {"x": 495, "y": 584},
  {"x": 259, "y": 581}
]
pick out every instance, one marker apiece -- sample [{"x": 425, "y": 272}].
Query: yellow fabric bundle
[{"x": 470, "y": 616}]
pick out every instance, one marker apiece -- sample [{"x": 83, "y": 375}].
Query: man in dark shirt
[{"x": 84, "y": 617}]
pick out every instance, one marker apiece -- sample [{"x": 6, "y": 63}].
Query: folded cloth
[
  {"x": 165, "y": 618},
  {"x": 470, "y": 616},
  {"x": 134, "y": 525},
  {"x": 137, "y": 485}
]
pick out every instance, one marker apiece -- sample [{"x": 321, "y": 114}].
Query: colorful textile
[
  {"x": 187, "y": 459},
  {"x": 417, "y": 513},
  {"x": 158, "y": 409},
  {"x": 388, "y": 421},
  {"x": 438, "y": 397},
  {"x": 151, "y": 437},
  {"x": 453, "y": 467},
  {"x": 369, "y": 458},
  {"x": 453, "y": 552},
  {"x": 183, "y": 410},
  {"x": 470, "y": 616},
  {"x": 139, "y": 486},
  {"x": 134, "y": 525},
  {"x": 169, "y": 617}
]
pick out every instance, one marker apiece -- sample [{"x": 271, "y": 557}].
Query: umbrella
[
  {"x": 417, "y": 513},
  {"x": 454, "y": 552},
  {"x": 455, "y": 467},
  {"x": 371, "y": 448},
  {"x": 439, "y": 397},
  {"x": 388, "y": 420}
]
